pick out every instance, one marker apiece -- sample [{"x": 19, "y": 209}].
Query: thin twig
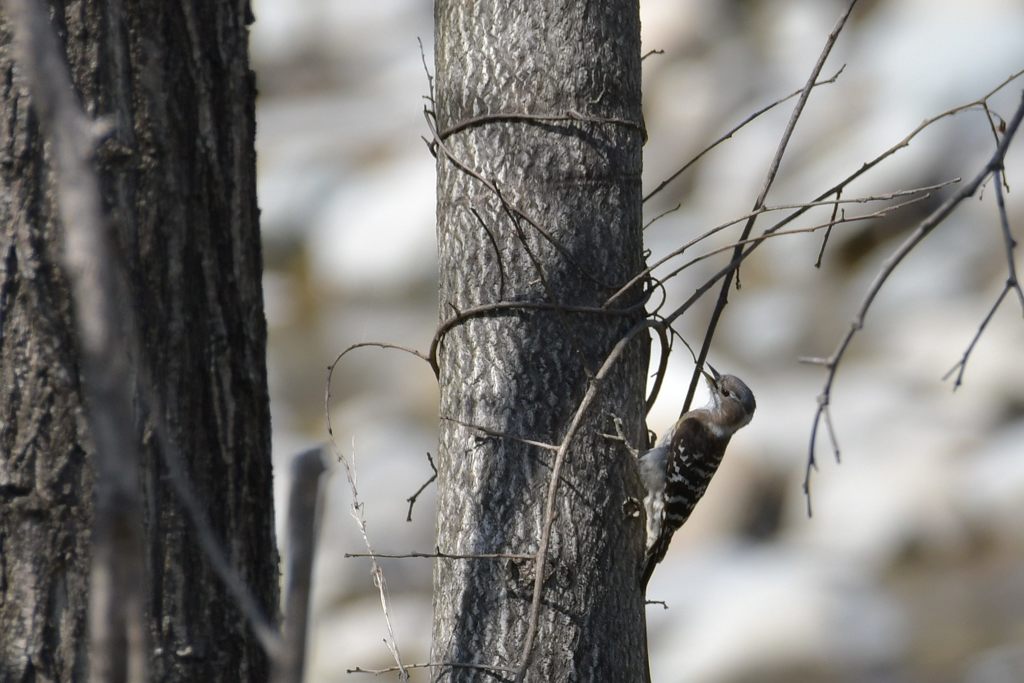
[
  {"x": 497, "y": 252},
  {"x": 357, "y": 512},
  {"x": 362, "y": 345},
  {"x": 426, "y": 70},
  {"x": 662, "y": 215},
  {"x": 801, "y": 209},
  {"x": 513, "y": 307},
  {"x": 620, "y": 435},
  {"x": 564, "y": 117},
  {"x": 1004, "y": 221},
  {"x": 460, "y": 317},
  {"x": 437, "y": 555},
  {"x": 750, "y": 245},
  {"x": 828, "y": 233},
  {"x": 425, "y": 665},
  {"x": 659, "y": 377},
  {"x": 735, "y": 129},
  {"x": 961, "y": 364},
  {"x": 991, "y": 115},
  {"x": 414, "y": 497},
  {"x": 831, "y": 223},
  {"x": 501, "y": 435},
  {"x": 832, "y": 434}
]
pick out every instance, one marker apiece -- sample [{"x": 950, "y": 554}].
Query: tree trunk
[
  {"x": 178, "y": 175},
  {"x": 524, "y": 372}
]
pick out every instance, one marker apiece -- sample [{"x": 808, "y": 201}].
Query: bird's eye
[{"x": 725, "y": 392}]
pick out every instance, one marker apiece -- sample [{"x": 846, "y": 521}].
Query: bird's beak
[{"x": 711, "y": 378}]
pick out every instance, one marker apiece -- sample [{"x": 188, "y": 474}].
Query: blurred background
[{"x": 912, "y": 566}]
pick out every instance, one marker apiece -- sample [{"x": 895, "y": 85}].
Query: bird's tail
[{"x": 654, "y": 555}]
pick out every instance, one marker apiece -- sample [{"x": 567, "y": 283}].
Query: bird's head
[{"x": 732, "y": 401}]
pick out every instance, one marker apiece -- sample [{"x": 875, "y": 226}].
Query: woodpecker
[{"x": 677, "y": 471}]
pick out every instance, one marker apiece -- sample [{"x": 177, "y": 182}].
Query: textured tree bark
[
  {"x": 524, "y": 372},
  {"x": 178, "y": 176}
]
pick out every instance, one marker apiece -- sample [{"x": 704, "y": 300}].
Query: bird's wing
[
  {"x": 652, "y": 474},
  {"x": 687, "y": 464},
  {"x": 652, "y": 467},
  {"x": 692, "y": 459}
]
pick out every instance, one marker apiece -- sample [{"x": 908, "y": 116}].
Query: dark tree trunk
[
  {"x": 524, "y": 372},
  {"x": 178, "y": 174}
]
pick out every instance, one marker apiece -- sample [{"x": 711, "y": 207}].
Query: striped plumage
[{"x": 677, "y": 471}]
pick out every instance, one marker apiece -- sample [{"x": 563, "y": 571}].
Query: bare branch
[
  {"x": 563, "y": 117},
  {"x": 801, "y": 209},
  {"x": 773, "y": 170},
  {"x": 550, "y": 509},
  {"x": 425, "y": 665},
  {"x": 864, "y": 168},
  {"x": 362, "y": 345},
  {"x": 1011, "y": 284},
  {"x": 750, "y": 244},
  {"x": 832, "y": 222},
  {"x": 437, "y": 555},
  {"x": 514, "y": 306},
  {"x": 923, "y": 229}
]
